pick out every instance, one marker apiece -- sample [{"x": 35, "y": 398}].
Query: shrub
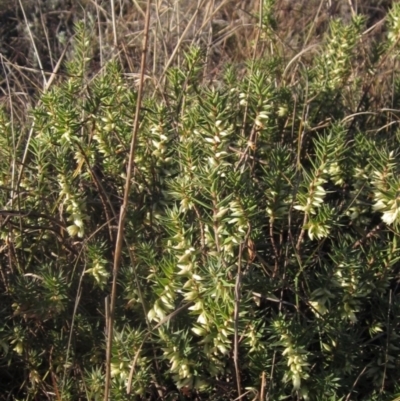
[{"x": 260, "y": 250}]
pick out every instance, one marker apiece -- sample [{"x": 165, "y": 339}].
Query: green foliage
[{"x": 262, "y": 224}]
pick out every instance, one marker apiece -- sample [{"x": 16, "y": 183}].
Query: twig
[
  {"x": 77, "y": 300},
  {"x": 114, "y": 24},
  {"x": 100, "y": 35},
  {"x": 353, "y": 12},
  {"x": 33, "y": 44},
  {"x": 178, "y": 45},
  {"x": 262, "y": 389},
  {"x": 243, "y": 395},
  {"x": 387, "y": 342},
  {"x": 13, "y": 165},
  {"x": 236, "y": 315},
  {"x": 46, "y": 88},
  {"x": 271, "y": 375},
  {"x": 236, "y": 323},
  {"x": 124, "y": 207},
  {"x": 253, "y": 130},
  {"x": 355, "y": 383},
  {"x": 46, "y": 34},
  {"x": 368, "y": 235},
  {"x": 158, "y": 325}
]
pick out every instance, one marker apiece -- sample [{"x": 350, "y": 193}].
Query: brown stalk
[
  {"x": 124, "y": 207},
  {"x": 253, "y": 130},
  {"x": 236, "y": 314},
  {"x": 262, "y": 390},
  {"x": 236, "y": 323}
]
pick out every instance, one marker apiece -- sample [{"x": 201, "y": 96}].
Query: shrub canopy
[{"x": 260, "y": 251}]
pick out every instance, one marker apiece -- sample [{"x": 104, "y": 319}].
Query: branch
[{"x": 124, "y": 207}]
